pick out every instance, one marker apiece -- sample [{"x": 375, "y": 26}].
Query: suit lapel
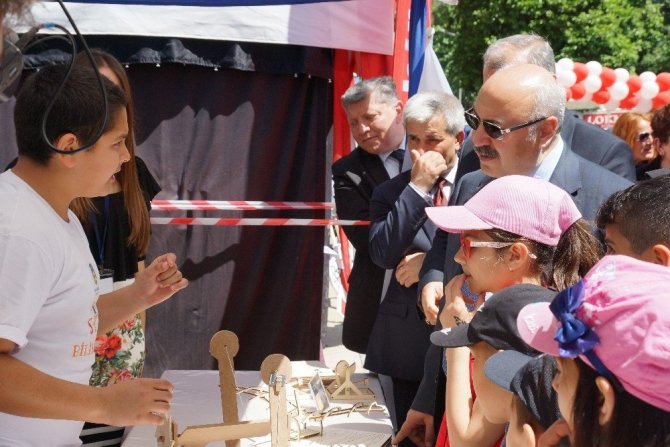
[{"x": 374, "y": 167}]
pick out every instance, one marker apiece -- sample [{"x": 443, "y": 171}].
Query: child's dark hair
[
  {"x": 641, "y": 213},
  {"x": 633, "y": 422},
  {"x": 78, "y": 109},
  {"x": 562, "y": 266}
]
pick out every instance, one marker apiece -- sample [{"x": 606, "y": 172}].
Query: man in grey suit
[
  {"x": 589, "y": 141},
  {"x": 516, "y": 120},
  {"x": 400, "y": 236}
]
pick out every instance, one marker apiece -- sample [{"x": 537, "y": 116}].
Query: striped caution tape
[{"x": 270, "y": 222}]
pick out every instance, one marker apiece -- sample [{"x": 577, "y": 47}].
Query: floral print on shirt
[{"x": 119, "y": 354}]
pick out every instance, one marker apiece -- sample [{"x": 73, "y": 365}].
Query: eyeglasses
[
  {"x": 644, "y": 136},
  {"x": 468, "y": 244},
  {"x": 492, "y": 129}
]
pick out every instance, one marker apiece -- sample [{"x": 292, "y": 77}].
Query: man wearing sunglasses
[
  {"x": 516, "y": 120},
  {"x": 400, "y": 236},
  {"x": 586, "y": 140},
  {"x": 374, "y": 112}
]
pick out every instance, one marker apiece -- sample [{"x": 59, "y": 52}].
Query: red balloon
[
  {"x": 663, "y": 80},
  {"x": 660, "y": 100},
  {"x": 634, "y": 83},
  {"x": 601, "y": 97},
  {"x": 577, "y": 91},
  {"x": 608, "y": 77},
  {"x": 581, "y": 71},
  {"x": 629, "y": 102}
]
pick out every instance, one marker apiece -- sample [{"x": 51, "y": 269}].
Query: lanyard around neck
[{"x": 100, "y": 239}]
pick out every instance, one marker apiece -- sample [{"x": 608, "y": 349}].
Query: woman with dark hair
[{"x": 118, "y": 230}]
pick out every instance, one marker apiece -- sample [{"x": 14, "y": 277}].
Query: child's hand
[
  {"x": 455, "y": 312},
  {"x": 552, "y": 437},
  {"x": 160, "y": 280}
]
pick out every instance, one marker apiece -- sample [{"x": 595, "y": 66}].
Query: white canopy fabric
[{"x": 358, "y": 25}]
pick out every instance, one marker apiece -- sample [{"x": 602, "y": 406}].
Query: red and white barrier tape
[
  {"x": 243, "y": 205},
  {"x": 275, "y": 222}
]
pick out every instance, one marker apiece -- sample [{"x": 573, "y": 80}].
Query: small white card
[{"x": 318, "y": 393}]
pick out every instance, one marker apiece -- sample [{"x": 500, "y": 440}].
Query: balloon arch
[{"x": 613, "y": 88}]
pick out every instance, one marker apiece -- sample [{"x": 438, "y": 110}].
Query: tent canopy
[{"x": 358, "y": 25}]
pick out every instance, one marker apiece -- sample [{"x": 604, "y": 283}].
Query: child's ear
[
  {"x": 607, "y": 400},
  {"x": 661, "y": 254},
  {"x": 517, "y": 255},
  {"x": 66, "y": 142}
]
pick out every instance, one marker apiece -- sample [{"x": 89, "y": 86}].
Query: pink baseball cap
[
  {"x": 530, "y": 207},
  {"x": 617, "y": 319}
]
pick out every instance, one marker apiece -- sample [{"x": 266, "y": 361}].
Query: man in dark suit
[
  {"x": 516, "y": 119},
  {"x": 400, "y": 235},
  {"x": 589, "y": 141},
  {"x": 375, "y": 117}
]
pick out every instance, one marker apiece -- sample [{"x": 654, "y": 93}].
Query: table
[{"x": 197, "y": 401}]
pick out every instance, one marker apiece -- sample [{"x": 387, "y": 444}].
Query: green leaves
[{"x": 633, "y": 34}]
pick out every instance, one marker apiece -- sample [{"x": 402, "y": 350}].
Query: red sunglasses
[{"x": 468, "y": 244}]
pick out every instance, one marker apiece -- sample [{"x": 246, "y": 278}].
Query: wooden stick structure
[
  {"x": 343, "y": 388},
  {"x": 224, "y": 346},
  {"x": 276, "y": 372}
]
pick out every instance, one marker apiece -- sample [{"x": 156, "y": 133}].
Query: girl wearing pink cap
[
  {"x": 515, "y": 230},
  {"x": 609, "y": 334}
]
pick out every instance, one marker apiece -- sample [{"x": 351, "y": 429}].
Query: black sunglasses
[
  {"x": 492, "y": 129},
  {"x": 644, "y": 136}
]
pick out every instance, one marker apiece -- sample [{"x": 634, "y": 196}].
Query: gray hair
[
  {"x": 520, "y": 48},
  {"x": 548, "y": 100},
  {"x": 383, "y": 86},
  {"x": 423, "y": 106}
]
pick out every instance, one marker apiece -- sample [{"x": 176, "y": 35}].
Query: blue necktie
[{"x": 399, "y": 154}]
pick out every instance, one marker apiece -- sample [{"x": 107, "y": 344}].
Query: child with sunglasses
[
  {"x": 609, "y": 336},
  {"x": 515, "y": 230}
]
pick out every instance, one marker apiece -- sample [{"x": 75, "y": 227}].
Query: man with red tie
[{"x": 400, "y": 236}]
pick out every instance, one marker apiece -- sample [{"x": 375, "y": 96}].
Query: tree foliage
[{"x": 633, "y": 34}]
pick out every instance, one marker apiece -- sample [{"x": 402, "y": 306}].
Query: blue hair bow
[{"x": 574, "y": 337}]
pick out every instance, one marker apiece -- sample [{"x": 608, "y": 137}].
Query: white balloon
[
  {"x": 643, "y": 106},
  {"x": 619, "y": 90},
  {"x": 649, "y": 90},
  {"x": 612, "y": 104},
  {"x": 566, "y": 78},
  {"x": 622, "y": 74},
  {"x": 647, "y": 76},
  {"x": 592, "y": 83},
  {"x": 594, "y": 67},
  {"x": 566, "y": 64}
]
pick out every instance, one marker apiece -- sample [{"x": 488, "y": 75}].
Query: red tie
[{"x": 438, "y": 198}]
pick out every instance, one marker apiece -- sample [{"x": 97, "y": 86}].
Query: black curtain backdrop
[{"x": 210, "y": 132}]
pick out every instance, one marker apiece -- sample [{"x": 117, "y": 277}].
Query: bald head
[
  {"x": 526, "y": 105},
  {"x": 527, "y": 88}
]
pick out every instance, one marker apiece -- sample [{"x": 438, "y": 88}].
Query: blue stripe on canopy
[{"x": 208, "y": 2}]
